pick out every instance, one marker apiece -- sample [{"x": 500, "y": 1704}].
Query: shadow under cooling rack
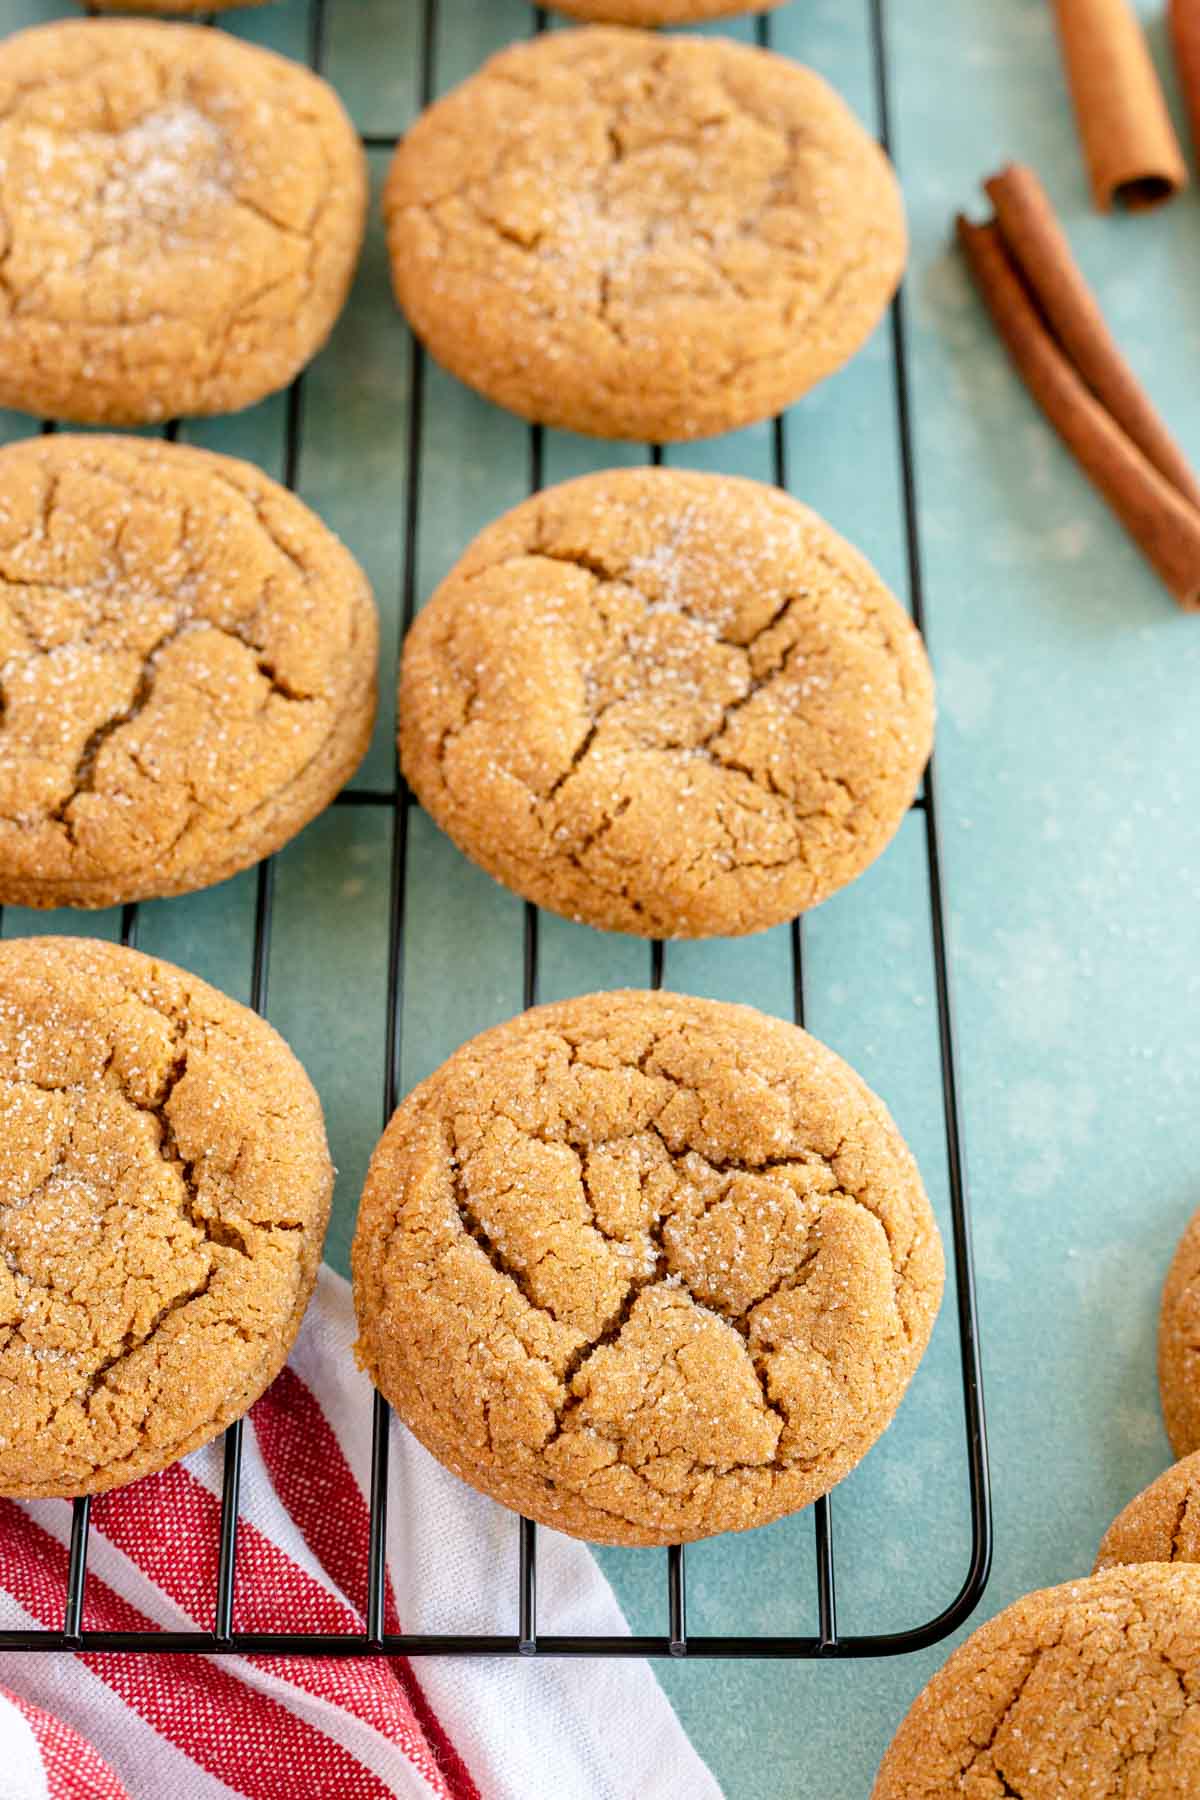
[{"x": 675, "y": 1641}]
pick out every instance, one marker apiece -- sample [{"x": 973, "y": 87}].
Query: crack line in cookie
[{"x": 741, "y": 1322}]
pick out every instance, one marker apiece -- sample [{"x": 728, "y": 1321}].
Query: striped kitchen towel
[
  {"x": 290, "y": 1728},
  {"x": 43, "y": 1759}
]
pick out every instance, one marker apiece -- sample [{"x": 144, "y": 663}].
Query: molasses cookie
[
  {"x": 164, "y": 1192},
  {"x": 1179, "y": 1344},
  {"x": 666, "y": 703},
  {"x": 645, "y": 1268},
  {"x": 642, "y": 237},
  {"x": 187, "y": 660},
  {"x": 1162, "y": 1524},
  {"x": 1089, "y": 1689},
  {"x": 658, "y": 12},
  {"x": 182, "y": 213}
]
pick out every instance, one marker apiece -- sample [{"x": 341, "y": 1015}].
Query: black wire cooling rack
[{"x": 373, "y": 1639}]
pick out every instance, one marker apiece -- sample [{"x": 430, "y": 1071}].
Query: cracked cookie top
[
  {"x": 1089, "y": 1691},
  {"x": 1161, "y": 1524},
  {"x": 658, "y": 12},
  {"x": 1179, "y": 1344},
  {"x": 164, "y": 1191},
  {"x": 666, "y": 703},
  {"x": 187, "y": 668},
  {"x": 644, "y": 1267},
  {"x": 180, "y": 217},
  {"x": 642, "y": 237}
]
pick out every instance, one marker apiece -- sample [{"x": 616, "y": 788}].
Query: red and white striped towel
[
  {"x": 288, "y": 1728},
  {"x": 43, "y": 1759}
]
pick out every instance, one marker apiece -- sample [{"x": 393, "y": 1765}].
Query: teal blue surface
[{"x": 1069, "y": 756}]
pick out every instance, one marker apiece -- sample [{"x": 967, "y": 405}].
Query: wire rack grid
[{"x": 374, "y": 1639}]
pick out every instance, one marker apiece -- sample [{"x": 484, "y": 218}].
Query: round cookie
[
  {"x": 1162, "y": 1524},
  {"x": 1179, "y": 1344},
  {"x": 164, "y": 1191},
  {"x": 182, "y": 214},
  {"x": 641, "y": 237},
  {"x": 658, "y": 12},
  {"x": 645, "y": 1268},
  {"x": 1089, "y": 1689},
  {"x": 666, "y": 703},
  {"x": 187, "y": 660}
]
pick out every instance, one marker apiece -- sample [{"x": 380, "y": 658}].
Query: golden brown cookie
[
  {"x": 187, "y": 663},
  {"x": 666, "y": 703},
  {"x": 164, "y": 1192},
  {"x": 1089, "y": 1691},
  {"x": 1179, "y": 1344},
  {"x": 181, "y": 212},
  {"x": 1162, "y": 1524},
  {"x": 640, "y": 237},
  {"x": 658, "y": 12},
  {"x": 645, "y": 1268}
]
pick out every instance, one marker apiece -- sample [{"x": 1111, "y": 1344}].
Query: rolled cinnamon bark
[
  {"x": 1038, "y": 245},
  {"x": 1183, "y": 21},
  {"x": 1160, "y": 520},
  {"x": 1132, "y": 151}
]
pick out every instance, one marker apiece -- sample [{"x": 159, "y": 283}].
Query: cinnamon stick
[
  {"x": 1163, "y": 524},
  {"x": 1129, "y": 142},
  {"x": 1183, "y": 23},
  {"x": 1038, "y": 246}
]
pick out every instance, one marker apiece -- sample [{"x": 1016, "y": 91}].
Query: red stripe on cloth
[
  {"x": 74, "y": 1769},
  {"x": 168, "y": 1526},
  {"x": 243, "y": 1738},
  {"x": 316, "y": 1484}
]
